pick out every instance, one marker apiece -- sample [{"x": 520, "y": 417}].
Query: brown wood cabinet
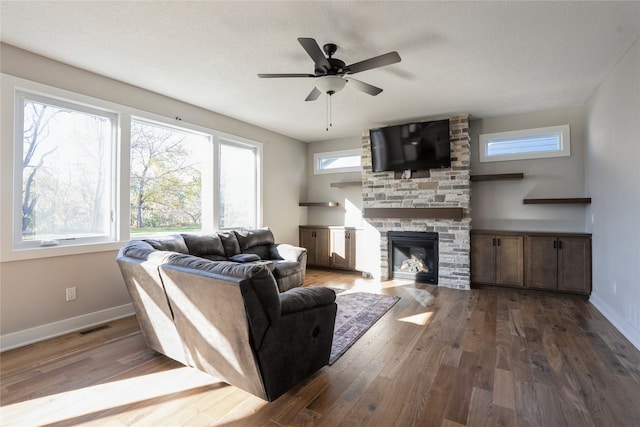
[
  {"x": 316, "y": 241},
  {"x": 343, "y": 248},
  {"x": 497, "y": 259},
  {"x": 330, "y": 246},
  {"x": 550, "y": 261},
  {"x": 559, "y": 262}
]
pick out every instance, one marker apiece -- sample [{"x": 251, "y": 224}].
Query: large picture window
[
  {"x": 86, "y": 174},
  {"x": 65, "y": 162},
  {"x": 166, "y": 178}
]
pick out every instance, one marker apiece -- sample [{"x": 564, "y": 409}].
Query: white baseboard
[
  {"x": 618, "y": 321},
  {"x": 50, "y": 330}
]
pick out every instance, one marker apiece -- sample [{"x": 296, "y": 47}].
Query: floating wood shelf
[
  {"x": 432, "y": 213},
  {"x": 496, "y": 177},
  {"x": 320, "y": 204},
  {"x": 569, "y": 200},
  {"x": 346, "y": 184}
]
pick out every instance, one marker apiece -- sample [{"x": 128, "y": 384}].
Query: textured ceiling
[{"x": 481, "y": 58}]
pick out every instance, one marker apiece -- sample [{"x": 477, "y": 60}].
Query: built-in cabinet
[
  {"x": 550, "y": 261},
  {"x": 330, "y": 246},
  {"x": 316, "y": 241},
  {"x": 558, "y": 262},
  {"x": 498, "y": 259}
]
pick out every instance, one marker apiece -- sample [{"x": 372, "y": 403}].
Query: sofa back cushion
[
  {"x": 172, "y": 243},
  {"x": 230, "y": 243},
  {"x": 257, "y": 242},
  {"x": 205, "y": 246}
]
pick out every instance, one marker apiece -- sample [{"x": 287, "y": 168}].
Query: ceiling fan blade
[
  {"x": 375, "y": 62},
  {"x": 314, "y": 51},
  {"x": 364, "y": 87},
  {"x": 273, "y": 76},
  {"x": 315, "y": 93}
]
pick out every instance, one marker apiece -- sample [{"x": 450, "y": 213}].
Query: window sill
[{"x": 56, "y": 251}]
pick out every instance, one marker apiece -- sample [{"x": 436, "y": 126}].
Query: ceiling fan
[{"x": 332, "y": 73}]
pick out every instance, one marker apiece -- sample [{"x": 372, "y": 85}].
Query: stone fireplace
[{"x": 437, "y": 201}]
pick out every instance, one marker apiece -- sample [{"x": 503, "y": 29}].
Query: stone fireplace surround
[{"x": 440, "y": 188}]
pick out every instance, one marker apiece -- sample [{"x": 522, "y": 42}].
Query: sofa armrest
[
  {"x": 301, "y": 299},
  {"x": 288, "y": 252}
]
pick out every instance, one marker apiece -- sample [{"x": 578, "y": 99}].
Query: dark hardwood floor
[{"x": 439, "y": 357}]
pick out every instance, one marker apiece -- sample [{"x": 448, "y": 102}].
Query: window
[
  {"x": 86, "y": 174},
  {"x": 238, "y": 179},
  {"x": 337, "y": 161},
  {"x": 525, "y": 144},
  {"x": 166, "y": 183},
  {"x": 64, "y": 173}
]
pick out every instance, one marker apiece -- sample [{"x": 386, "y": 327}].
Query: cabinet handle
[
  {"x": 555, "y": 244},
  {"x": 559, "y": 244},
  {"x": 498, "y": 241},
  {"x": 494, "y": 242}
]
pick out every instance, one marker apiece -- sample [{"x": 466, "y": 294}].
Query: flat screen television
[{"x": 414, "y": 146}]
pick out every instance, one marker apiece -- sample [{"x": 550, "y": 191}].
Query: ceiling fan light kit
[
  {"x": 330, "y": 72},
  {"x": 331, "y": 84}
]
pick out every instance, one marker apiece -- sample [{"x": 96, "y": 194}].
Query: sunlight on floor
[
  {"x": 420, "y": 319},
  {"x": 77, "y": 403}
]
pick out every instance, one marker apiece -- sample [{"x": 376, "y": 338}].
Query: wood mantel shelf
[
  {"x": 346, "y": 184},
  {"x": 320, "y": 204},
  {"x": 496, "y": 177},
  {"x": 432, "y": 213},
  {"x": 570, "y": 200}
]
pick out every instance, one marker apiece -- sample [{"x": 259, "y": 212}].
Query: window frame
[
  {"x": 18, "y": 241},
  {"x": 11, "y": 84},
  {"x": 319, "y": 157},
  {"x": 562, "y": 131}
]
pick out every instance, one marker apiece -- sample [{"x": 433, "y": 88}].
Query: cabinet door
[
  {"x": 343, "y": 246},
  {"x": 483, "y": 259},
  {"x": 308, "y": 241},
  {"x": 509, "y": 260},
  {"x": 574, "y": 264},
  {"x": 542, "y": 262},
  {"x": 322, "y": 247}
]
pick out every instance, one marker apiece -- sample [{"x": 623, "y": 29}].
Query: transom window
[
  {"x": 338, "y": 161},
  {"x": 525, "y": 144},
  {"x": 65, "y": 172}
]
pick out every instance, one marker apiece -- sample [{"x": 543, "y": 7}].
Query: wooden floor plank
[{"x": 440, "y": 357}]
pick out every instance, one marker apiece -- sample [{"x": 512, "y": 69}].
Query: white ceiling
[{"x": 481, "y": 58}]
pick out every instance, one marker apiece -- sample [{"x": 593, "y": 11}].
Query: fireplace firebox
[{"x": 413, "y": 255}]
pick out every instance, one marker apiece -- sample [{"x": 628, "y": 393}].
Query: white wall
[
  {"x": 613, "y": 179},
  {"x": 319, "y": 189},
  {"x": 32, "y": 303},
  {"x": 498, "y": 204}
]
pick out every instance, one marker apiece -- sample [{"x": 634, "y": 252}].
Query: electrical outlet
[
  {"x": 615, "y": 288},
  {"x": 71, "y": 293}
]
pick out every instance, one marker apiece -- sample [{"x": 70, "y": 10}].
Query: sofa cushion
[
  {"x": 256, "y": 242},
  {"x": 206, "y": 246},
  {"x": 300, "y": 299},
  {"x": 285, "y": 268},
  {"x": 172, "y": 242},
  {"x": 245, "y": 258},
  {"x": 230, "y": 243}
]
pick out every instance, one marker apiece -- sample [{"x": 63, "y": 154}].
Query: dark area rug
[{"x": 357, "y": 312}]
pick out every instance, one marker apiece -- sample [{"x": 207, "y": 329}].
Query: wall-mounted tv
[{"x": 414, "y": 146}]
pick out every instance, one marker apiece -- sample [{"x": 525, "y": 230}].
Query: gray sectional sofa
[{"x": 227, "y": 315}]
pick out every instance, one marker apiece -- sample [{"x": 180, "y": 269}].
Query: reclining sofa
[{"x": 229, "y": 319}]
